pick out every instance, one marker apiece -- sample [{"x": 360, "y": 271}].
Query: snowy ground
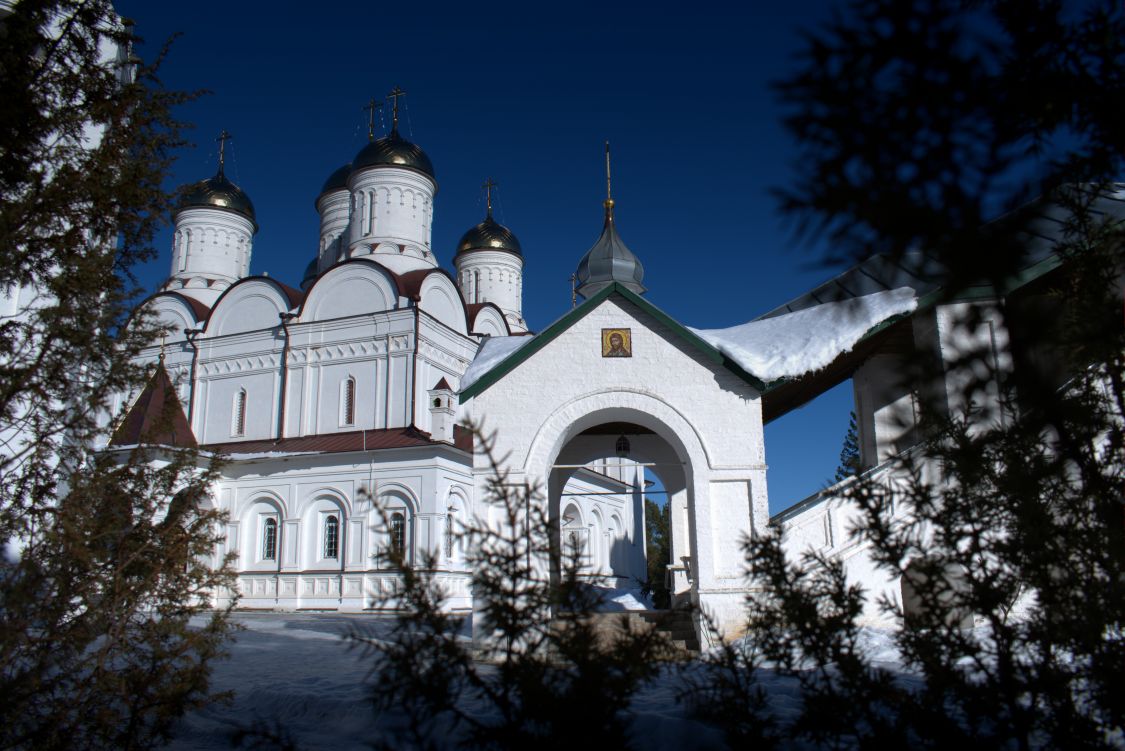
[{"x": 297, "y": 669}]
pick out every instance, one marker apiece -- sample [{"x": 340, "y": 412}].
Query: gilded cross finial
[
  {"x": 488, "y": 186},
  {"x": 163, "y": 335},
  {"x": 396, "y": 92},
  {"x": 372, "y": 105},
  {"x": 224, "y": 136},
  {"x": 608, "y": 186}
]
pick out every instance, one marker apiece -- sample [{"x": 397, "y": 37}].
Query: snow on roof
[
  {"x": 793, "y": 344},
  {"x": 494, "y": 350}
]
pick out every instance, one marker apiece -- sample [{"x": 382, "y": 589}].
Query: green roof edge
[{"x": 552, "y": 332}]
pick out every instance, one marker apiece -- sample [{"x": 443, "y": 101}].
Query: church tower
[
  {"x": 214, "y": 231},
  {"x": 609, "y": 260},
  {"x": 392, "y": 189},
  {"x": 334, "y": 206},
  {"x": 489, "y": 265}
]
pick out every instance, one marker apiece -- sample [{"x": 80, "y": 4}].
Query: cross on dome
[
  {"x": 372, "y": 105},
  {"x": 224, "y": 136},
  {"x": 489, "y": 184},
  {"x": 396, "y": 92}
]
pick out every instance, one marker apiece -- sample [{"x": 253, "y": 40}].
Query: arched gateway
[{"x": 615, "y": 364}]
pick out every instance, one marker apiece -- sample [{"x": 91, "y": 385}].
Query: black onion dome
[
  {"x": 217, "y": 193},
  {"x": 338, "y": 180},
  {"x": 393, "y": 151},
  {"x": 489, "y": 235},
  {"x": 310, "y": 275},
  {"x": 609, "y": 261}
]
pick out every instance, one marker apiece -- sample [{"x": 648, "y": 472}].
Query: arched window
[
  {"x": 449, "y": 535},
  {"x": 398, "y": 533},
  {"x": 269, "y": 540},
  {"x": 332, "y": 537},
  {"x": 239, "y": 423},
  {"x": 347, "y": 416}
]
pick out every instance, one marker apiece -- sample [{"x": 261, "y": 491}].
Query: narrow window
[
  {"x": 398, "y": 533},
  {"x": 349, "y": 402},
  {"x": 269, "y": 540},
  {"x": 331, "y": 537},
  {"x": 240, "y": 413},
  {"x": 476, "y": 287},
  {"x": 449, "y": 535}
]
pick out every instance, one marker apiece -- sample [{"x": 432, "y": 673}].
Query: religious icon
[{"x": 617, "y": 343}]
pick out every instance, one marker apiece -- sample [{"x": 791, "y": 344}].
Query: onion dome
[
  {"x": 609, "y": 261},
  {"x": 217, "y": 193},
  {"x": 489, "y": 235},
  {"x": 309, "y": 275},
  {"x": 393, "y": 151},
  {"x": 338, "y": 180}
]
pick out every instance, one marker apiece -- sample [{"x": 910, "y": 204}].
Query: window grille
[
  {"x": 349, "y": 401},
  {"x": 240, "y": 412},
  {"x": 398, "y": 533},
  {"x": 269, "y": 540},
  {"x": 331, "y": 537}
]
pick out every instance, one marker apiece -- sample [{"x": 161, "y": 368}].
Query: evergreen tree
[
  {"x": 548, "y": 674},
  {"x": 849, "y": 454},
  {"x": 106, "y": 555},
  {"x": 921, "y": 122},
  {"x": 658, "y": 551}
]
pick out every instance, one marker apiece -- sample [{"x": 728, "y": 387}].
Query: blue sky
[{"x": 527, "y": 93}]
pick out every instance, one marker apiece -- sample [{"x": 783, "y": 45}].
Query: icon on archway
[{"x": 617, "y": 343}]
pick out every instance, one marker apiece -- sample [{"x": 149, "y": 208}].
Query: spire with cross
[
  {"x": 396, "y": 92},
  {"x": 489, "y": 184},
  {"x": 372, "y": 105},
  {"x": 224, "y": 136},
  {"x": 608, "y": 186}
]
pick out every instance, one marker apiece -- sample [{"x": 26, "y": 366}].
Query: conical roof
[
  {"x": 609, "y": 261},
  {"x": 156, "y": 417}
]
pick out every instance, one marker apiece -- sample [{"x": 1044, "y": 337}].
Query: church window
[
  {"x": 347, "y": 411},
  {"x": 269, "y": 540},
  {"x": 238, "y": 427},
  {"x": 332, "y": 537},
  {"x": 449, "y": 534},
  {"x": 398, "y": 533},
  {"x": 476, "y": 287}
]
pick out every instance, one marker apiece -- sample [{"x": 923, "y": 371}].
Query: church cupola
[
  {"x": 214, "y": 230},
  {"x": 392, "y": 189},
  {"x": 609, "y": 260},
  {"x": 334, "y": 206},
  {"x": 489, "y": 263}
]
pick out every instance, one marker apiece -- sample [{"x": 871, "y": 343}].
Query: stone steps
[{"x": 677, "y": 626}]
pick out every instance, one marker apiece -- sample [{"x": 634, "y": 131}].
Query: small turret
[
  {"x": 489, "y": 263},
  {"x": 609, "y": 260},
  {"x": 214, "y": 231}
]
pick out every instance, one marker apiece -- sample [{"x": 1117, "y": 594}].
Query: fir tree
[
  {"x": 545, "y": 674},
  {"x": 921, "y": 123},
  {"x": 107, "y": 554}
]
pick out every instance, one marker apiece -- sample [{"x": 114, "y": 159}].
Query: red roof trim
[{"x": 329, "y": 443}]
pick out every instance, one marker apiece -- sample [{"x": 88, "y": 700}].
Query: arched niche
[
  {"x": 323, "y": 532},
  {"x": 489, "y": 321},
  {"x": 441, "y": 299},
  {"x": 352, "y": 288},
  {"x": 250, "y": 305},
  {"x": 260, "y": 545}
]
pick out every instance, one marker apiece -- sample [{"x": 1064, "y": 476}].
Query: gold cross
[
  {"x": 224, "y": 136},
  {"x": 162, "y": 337},
  {"x": 488, "y": 186},
  {"x": 396, "y": 92},
  {"x": 370, "y": 108},
  {"x": 608, "y": 190}
]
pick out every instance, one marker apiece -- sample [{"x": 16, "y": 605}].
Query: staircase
[{"x": 676, "y": 625}]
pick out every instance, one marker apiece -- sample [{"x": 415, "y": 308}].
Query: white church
[{"x": 353, "y": 384}]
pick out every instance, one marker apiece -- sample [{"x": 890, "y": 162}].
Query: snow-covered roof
[
  {"x": 793, "y": 344},
  {"x": 492, "y": 352}
]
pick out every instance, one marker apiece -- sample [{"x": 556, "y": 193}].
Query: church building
[{"x": 352, "y": 385}]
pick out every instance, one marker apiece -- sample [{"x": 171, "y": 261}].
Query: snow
[
  {"x": 793, "y": 344},
  {"x": 494, "y": 350},
  {"x": 618, "y": 600}
]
